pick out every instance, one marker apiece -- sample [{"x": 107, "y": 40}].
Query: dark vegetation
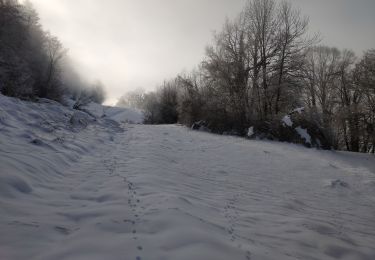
[
  {"x": 262, "y": 66},
  {"x": 33, "y": 62}
]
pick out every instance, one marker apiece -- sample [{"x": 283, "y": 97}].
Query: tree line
[
  {"x": 263, "y": 65},
  {"x": 33, "y": 62}
]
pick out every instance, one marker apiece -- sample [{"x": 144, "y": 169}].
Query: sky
[{"x": 130, "y": 44}]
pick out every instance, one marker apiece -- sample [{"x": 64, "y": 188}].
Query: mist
[{"x": 132, "y": 44}]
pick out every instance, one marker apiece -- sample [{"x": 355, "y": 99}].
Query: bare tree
[
  {"x": 364, "y": 75},
  {"x": 255, "y": 57},
  {"x": 293, "y": 41},
  {"x": 132, "y": 99},
  {"x": 349, "y": 104},
  {"x": 190, "y": 100},
  {"x": 55, "y": 52}
]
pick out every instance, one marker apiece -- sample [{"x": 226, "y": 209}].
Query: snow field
[{"x": 73, "y": 186}]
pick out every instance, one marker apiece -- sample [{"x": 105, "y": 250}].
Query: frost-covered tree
[
  {"x": 364, "y": 75},
  {"x": 32, "y": 60},
  {"x": 132, "y": 99}
]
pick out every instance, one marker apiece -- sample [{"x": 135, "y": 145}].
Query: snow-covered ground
[
  {"x": 77, "y": 187},
  {"x": 118, "y": 114}
]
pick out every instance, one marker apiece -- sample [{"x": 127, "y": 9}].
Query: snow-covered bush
[
  {"x": 200, "y": 126},
  {"x": 293, "y": 128}
]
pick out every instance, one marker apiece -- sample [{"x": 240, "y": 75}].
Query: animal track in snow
[
  {"x": 133, "y": 202},
  {"x": 232, "y": 215}
]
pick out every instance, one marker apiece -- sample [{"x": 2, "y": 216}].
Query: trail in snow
[
  {"x": 227, "y": 198},
  {"x": 165, "y": 192}
]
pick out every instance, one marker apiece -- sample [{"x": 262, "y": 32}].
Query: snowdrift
[
  {"x": 118, "y": 114},
  {"x": 39, "y": 140}
]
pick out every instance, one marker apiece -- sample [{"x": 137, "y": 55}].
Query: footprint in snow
[
  {"x": 337, "y": 184},
  {"x": 133, "y": 202},
  {"x": 26, "y": 224},
  {"x": 231, "y": 214},
  {"x": 63, "y": 230}
]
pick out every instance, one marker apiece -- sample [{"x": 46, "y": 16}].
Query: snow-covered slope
[
  {"x": 118, "y": 114},
  {"x": 126, "y": 115},
  {"x": 72, "y": 187}
]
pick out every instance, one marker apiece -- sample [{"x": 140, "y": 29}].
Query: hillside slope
[{"x": 77, "y": 187}]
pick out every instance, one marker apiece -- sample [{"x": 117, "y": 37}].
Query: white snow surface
[
  {"x": 118, "y": 114},
  {"x": 124, "y": 115},
  {"x": 94, "y": 109},
  {"x": 304, "y": 134},
  {"x": 250, "y": 132},
  {"x": 165, "y": 192},
  {"x": 287, "y": 121}
]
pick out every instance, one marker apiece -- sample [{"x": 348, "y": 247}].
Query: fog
[{"x": 130, "y": 44}]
